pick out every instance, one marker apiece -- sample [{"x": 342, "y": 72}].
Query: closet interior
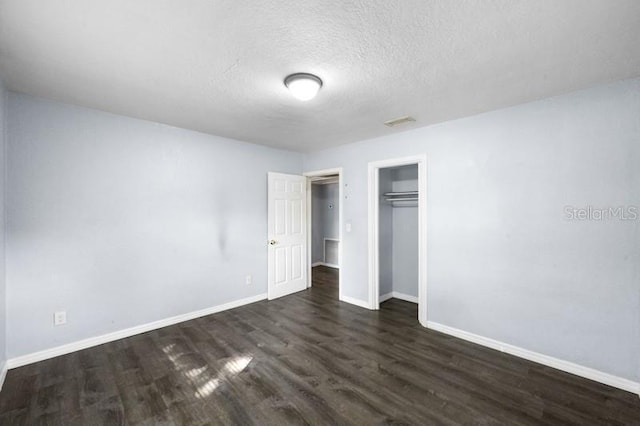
[
  {"x": 325, "y": 226},
  {"x": 398, "y": 233}
]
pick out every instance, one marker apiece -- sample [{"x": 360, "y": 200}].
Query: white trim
[
  {"x": 422, "y": 241},
  {"x": 110, "y": 337},
  {"x": 324, "y": 180},
  {"x": 549, "y": 361},
  {"x": 310, "y": 175},
  {"x": 405, "y": 297},
  {"x": 374, "y": 220},
  {"x": 329, "y": 265},
  {"x": 3, "y": 374},
  {"x": 398, "y": 295},
  {"x": 354, "y": 301},
  {"x": 374, "y": 244}
]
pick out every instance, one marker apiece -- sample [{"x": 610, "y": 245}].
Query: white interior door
[{"x": 287, "y": 234}]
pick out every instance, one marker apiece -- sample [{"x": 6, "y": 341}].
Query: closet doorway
[
  {"x": 397, "y": 232},
  {"x": 324, "y": 227}
]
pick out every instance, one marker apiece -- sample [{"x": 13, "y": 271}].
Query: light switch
[
  {"x": 59, "y": 318},
  {"x": 347, "y": 227}
]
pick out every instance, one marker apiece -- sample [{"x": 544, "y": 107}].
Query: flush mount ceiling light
[{"x": 303, "y": 86}]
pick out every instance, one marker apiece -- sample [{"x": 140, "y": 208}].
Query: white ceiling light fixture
[{"x": 303, "y": 86}]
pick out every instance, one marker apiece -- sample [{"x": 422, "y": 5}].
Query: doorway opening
[
  {"x": 324, "y": 225},
  {"x": 397, "y": 232}
]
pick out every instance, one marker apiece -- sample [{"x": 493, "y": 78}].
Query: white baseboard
[
  {"x": 330, "y": 265},
  {"x": 398, "y": 295},
  {"x": 117, "y": 335},
  {"x": 354, "y": 301},
  {"x": 405, "y": 297},
  {"x": 385, "y": 297},
  {"x": 3, "y": 374},
  {"x": 569, "y": 367}
]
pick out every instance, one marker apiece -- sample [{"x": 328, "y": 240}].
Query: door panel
[
  {"x": 280, "y": 217},
  {"x": 287, "y": 227},
  {"x": 296, "y": 217},
  {"x": 296, "y": 262},
  {"x": 281, "y": 265}
]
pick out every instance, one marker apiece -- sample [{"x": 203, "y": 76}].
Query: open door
[{"x": 287, "y": 227}]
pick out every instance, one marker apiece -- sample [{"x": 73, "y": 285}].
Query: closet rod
[
  {"x": 393, "y": 194},
  {"x": 401, "y": 199}
]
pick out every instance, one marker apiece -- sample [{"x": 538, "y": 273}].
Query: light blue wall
[
  {"x": 122, "y": 222},
  {"x": 325, "y": 219},
  {"x": 3, "y": 295},
  {"x": 503, "y": 261}
]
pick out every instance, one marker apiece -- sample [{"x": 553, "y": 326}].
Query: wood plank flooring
[{"x": 304, "y": 359}]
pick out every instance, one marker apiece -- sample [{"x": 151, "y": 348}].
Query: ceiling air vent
[{"x": 399, "y": 121}]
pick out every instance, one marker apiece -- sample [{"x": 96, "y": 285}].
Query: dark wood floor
[{"x": 304, "y": 359}]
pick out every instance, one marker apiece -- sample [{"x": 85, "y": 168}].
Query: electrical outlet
[
  {"x": 60, "y": 318},
  {"x": 248, "y": 280}
]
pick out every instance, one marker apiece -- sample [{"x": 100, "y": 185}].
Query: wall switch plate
[
  {"x": 248, "y": 280},
  {"x": 60, "y": 318},
  {"x": 348, "y": 227}
]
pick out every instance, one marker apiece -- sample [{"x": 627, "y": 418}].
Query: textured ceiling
[{"x": 218, "y": 66}]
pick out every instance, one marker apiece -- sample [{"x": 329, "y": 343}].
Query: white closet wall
[
  {"x": 398, "y": 224},
  {"x": 405, "y": 234},
  {"x": 385, "y": 236}
]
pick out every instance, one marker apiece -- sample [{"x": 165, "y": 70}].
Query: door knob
[{"x": 273, "y": 242}]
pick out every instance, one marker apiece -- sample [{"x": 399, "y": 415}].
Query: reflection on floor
[{"x": 304, "y": 359}]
